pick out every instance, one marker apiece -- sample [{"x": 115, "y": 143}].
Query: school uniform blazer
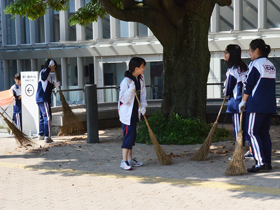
[
  {"x": 233, "y": 88},
  {"x": 45, "y": 86},
  {"x": 126, "y": 99},
  {"x": 17, "y": 92},
  {"x": 260, "y": 85}
]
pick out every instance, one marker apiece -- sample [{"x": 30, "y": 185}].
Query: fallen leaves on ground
[{"x": 79, "y": 138}]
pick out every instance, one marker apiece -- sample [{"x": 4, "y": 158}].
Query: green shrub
[{"x": 178, "y": 130}]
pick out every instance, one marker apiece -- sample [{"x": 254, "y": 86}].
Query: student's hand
[
  {"x": 131, "y": 87},
  {"x": 51, "y": 63},
  {"x": 19, "y": 97},
  {"x": 56, "y": 84},
  {"x": 242, "y": 105},
  {"x": 143, "y": 110},
  {"x": 224, "y": 91}
]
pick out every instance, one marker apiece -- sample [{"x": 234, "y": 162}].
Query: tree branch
[
  {"x": 222, "y": 2},
  {"x": 173, "y": 11},
  {"x": 128, "y": 4}
]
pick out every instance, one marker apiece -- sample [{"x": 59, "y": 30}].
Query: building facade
[{"x": 99, "y": 53}]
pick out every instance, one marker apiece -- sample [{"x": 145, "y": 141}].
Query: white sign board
[{"x": 30, "y": 110}]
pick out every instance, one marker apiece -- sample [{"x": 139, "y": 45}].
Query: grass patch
[{"x": 178, "y": 130}]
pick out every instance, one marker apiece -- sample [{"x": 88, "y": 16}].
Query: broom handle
[
  {"x": 141, "y": 108},
  {"x": 241, "y": 117},
  {"x": 220, "y": 110}
]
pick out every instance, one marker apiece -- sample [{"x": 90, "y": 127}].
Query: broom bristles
[
  {"x": 202, "y": 153},
  {"x": 236, "y": 165},
  {"x": 71, "y": 123},
  {"x": 20, "y": 137},
  {"x": 162, "y": 157}
]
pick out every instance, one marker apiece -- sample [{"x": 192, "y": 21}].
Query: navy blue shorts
[{"x": 129, "y": 133}]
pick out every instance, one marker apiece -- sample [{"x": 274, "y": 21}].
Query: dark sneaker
[
  {"x": 268, "y": 166},
  {"x": 48, "y": 139},
  {"x": 248, "y": 155},
  {"x": 134, "y": 162},
  {"x": 258, "y": 169}
]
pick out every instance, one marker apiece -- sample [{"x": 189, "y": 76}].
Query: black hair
[
  {"x": 17, "y": 76},
  {"x": 135, "y": 62},
  {"x": 259, "y": 43},
  {"x": 235, "y": 58},
  {"x": 47, "y": 63}
]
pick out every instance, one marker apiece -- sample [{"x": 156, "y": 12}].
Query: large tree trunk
[{"x": 186, "y": 68}]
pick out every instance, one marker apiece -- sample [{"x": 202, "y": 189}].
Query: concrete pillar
[
  {"x": 6, "y": 74},
  {"x": 97, "y": 29},
  {"x": 63, "y": 25},
  {"x": 100, "y": 80},
  {"x": 18, "y": 30},
  {"x": 64, "y": 74},
  {"x": 34, "y": 65},
  {"x": 215, "y": 19},
  {"x": 238, "y": 15},
  {"x": 47, "y": 28},
  {"x": 80, "y": 30},
  {"x": 32, "y": 31},
  {"x": 114, "y": 28},
  {"x": 150, "y": 33},
  {"x": 132, "y": 29},
  {"x": 19, "y": 66},
  {"x": 262, "y": 13},
  {"x": 80, "y": 69},
  {"x": 95, "y": 60}
]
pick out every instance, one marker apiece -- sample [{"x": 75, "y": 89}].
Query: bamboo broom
[
  {"x": 237, "y": 165},
  {"x": 202, "y": 152},
  {"x": 71, "y": 123},
  {"x": 20, "y": 137},
  {"x": 162, "y": 157}
]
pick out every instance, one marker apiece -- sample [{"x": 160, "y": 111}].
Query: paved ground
[{"x": 71, "y": 174}]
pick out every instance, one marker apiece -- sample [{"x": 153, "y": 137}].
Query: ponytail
[{"x": 260, "y": 44}]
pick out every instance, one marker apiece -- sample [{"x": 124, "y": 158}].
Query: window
[
  {"x": 273, "y": 14},
  {"x": 39, "y": 30},
  {"x": 10, "y": 26},
  {"x": 88, "y": 28},
  {"x": 106, "y": 27},
  {"x": 124, "y": 29},
  {"x": 54, "y": 26},
  {"x": 250, "y": 14},
  {"x": 25, "y": 35},
  {"x": 72, "y": 29},
  {"x": 226, "y": 18},
  {"x": 142, "y": 30}
]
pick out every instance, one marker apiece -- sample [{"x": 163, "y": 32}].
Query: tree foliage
[{"x": 34, "y": 8}]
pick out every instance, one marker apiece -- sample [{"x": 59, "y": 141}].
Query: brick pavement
[{"x": 75, "y": 175}]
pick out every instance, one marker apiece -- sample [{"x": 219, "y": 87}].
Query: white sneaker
[
  {"x": 125, "y": 166},
  {"x": 41, "y": 137},
  {"x": 248, "y": 155},
  {"x": 48, "y": 139},
  {"x": 134, "y": 162}
]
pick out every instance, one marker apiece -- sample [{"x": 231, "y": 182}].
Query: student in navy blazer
[
  {"x": 43, "y": 99},
  {"x": 260, "y": 98}
]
